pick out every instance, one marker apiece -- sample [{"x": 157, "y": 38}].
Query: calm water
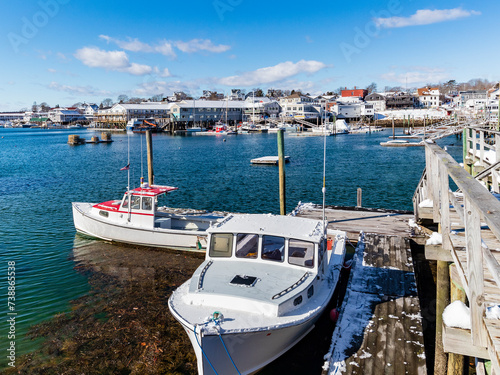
[{"x": 40, "y": 175}]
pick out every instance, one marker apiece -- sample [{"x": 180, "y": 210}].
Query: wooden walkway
[
  {"x": 380, "y": 325},
  {"x": 469, "y": 223}
]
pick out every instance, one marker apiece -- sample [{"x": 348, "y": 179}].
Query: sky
[{"x": 67, "y": 51}]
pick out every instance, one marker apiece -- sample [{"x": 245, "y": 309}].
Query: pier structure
[
  {"x": 468, "y": 247},
  {"x": 380, "y": 326}
]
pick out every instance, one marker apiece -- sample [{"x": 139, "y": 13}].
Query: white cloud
[
  {"x": 98, "y": 58},
  {"x": 419, "y": 75},
  {"x": 113, "y": 60},
  {"x": 274, "y": 73},
  {"x": 425, "y": 17},
  {"x": 166, "y": 47},
  {"x": 196, "y": 45},
  {"x": 77, "y": 90},
  {"x": 50, "y": 70},
  {"x": 135, "y": 45}
]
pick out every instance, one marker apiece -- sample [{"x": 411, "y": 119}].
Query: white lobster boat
[
  {"x": 137, "y": 219},
  {"x": 265, "y": 281}
]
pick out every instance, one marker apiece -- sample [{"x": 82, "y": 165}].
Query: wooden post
[
  {"x": 456, "y": 362},
  {"x": 360, "y": 192},
  {"x": 281, "y": 161},
  {"x": 475, "y": 273},
  {"x": 149, "y": 143},
  {"x": 442, "y": 300},
  {"x": 393, "y": 134}
]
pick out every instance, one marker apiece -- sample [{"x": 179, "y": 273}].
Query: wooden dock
[
  {"x": 269, "y": 160},
  {"x": 468, "y": 255},
  {"x": 380, "y": 326}
]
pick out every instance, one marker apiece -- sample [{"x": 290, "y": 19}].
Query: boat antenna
[
  {"x": 324, "y": 174},
  {"x": 142, "y": 164}
]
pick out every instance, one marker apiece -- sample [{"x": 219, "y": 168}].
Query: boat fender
[{"x": 334, "y": 315}]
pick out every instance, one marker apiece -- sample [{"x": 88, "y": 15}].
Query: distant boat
[
  {"x": 141, "y": 126},
  {"x": 136, "y": 219},
  {"x": 264, "y": 283},
  {"x": 76, "y": 126}
]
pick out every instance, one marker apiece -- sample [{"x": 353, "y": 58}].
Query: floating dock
[
  {"x": 272, "y": 160},
  {"x": 380, "y": 325}
]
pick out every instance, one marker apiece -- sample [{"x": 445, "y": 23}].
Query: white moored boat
[
  {"x": 137, "y": 219},
  {"x": 264, "y": 282}
]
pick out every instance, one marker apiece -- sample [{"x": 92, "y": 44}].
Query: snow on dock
[{"x": 380, "y": 326}]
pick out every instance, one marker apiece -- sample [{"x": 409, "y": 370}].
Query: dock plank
[{"x": 380, "y": 327}]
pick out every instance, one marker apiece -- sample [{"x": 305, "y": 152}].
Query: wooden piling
[
  {"x": 149, "y": 143},
  {"x": 281, "y": 163},
  {"x": 360, "y": 192},
  {"x": 456, "y": 362},
  {"x": 393, "y": 134},
  {"x": 442, "y": 300}
]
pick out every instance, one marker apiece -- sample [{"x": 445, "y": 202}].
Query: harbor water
[{"x": 40, "y": 175}]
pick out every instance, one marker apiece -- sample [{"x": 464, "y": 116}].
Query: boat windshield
[
  {"x": 273, "y": 248},
  {"x": 221, "y": 245},
  {"x": 301, "y": 253},
  {"x": 247, "y": 245}
]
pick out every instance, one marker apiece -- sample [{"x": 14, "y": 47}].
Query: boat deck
[{"x": 380, "y": 326}]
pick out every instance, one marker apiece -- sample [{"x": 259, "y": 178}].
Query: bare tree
[
  {"x": 372, "y": 87},
  {"x": 108, "y": 102},
  {"x": 122, "y": 98}
]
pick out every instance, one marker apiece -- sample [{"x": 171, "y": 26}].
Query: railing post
[
  {"x": 475, "y": 273},
  {"x": 436, "y": 215},
  {"x": 481, "y": 147},
  {"x": 445, "y": 206}
]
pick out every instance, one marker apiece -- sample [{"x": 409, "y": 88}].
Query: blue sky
[{"x": 66, "y": 51}]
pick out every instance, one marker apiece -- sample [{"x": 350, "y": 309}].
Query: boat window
[
  {"x": 147, "y": 203},
  {"x": 297, "y": 301},
  {"x": 125, "y": 202},
  {"x": 221, "y": 245},
  {"x": 301, "y": 253},
  {"x": 136, "y": 202},
  {"x": 247, "y": 245},
  {"x": 103, "y": 213},
  {"x": 273, "y": 248}
]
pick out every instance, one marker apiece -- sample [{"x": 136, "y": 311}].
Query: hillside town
[{"x": 279, "y": 106}]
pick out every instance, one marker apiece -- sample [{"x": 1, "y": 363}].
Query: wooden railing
[
  {"x": 480, "y": 146},
  {"x": 479, "y": 205}
]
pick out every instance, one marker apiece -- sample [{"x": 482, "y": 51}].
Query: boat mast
[
  {"x": 324, "y": 180},
  {"x": 128, "y": 176}
]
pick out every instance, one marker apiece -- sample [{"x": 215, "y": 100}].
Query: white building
[
  {"x": 378, "y": 101},
  {"x": 430, "y": 97},
  {"x": 299, "y": 106},
  {"x": 354, "y": 111},
  {"x": 259, "y": 108},
  {"x": 64, "y": 115},
  {"x": 207, "y": 111},
  {"x": 120, "y": 114}
]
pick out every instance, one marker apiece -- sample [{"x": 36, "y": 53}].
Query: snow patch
[
  {"x": 426, "y": 203},
  {"x": 456, "y": 314},
  {"x": 435, "y": 239},
  {"x": 493, "y": 312}
]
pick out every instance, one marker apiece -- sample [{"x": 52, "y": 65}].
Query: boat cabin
[
  {"x": 138, "y": 206},
  {"x": 285, "y": 240}
]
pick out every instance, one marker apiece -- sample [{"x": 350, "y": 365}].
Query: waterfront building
[
  {"x": 401, "y": 100},
  {"x": 207, "y": 111},
  {"x": 298, "y": 106},
  {"x": 360, "y": 93},
  {"x": 63, "y": 115},
  {"x": 89, "y": 111},
  {"x": 378, "y": 101},
  {"x": 259, "y": 108},
  {"x": 430, "y": 97},
  {"x": 354, "y": 111},
  {"x": 119, "y": 114},
  {"x": 11, "y": 116}
]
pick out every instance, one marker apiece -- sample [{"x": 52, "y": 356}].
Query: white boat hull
[
  {"x": 250, "y": 351},
  {"x": 193, "y": 240}
]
